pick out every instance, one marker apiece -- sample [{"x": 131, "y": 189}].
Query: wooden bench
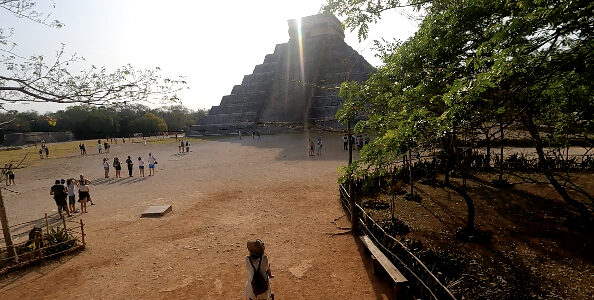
[{"x": 380, "y": 261}]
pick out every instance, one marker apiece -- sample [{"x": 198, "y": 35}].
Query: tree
[
  {"x": 149, "y": 124},
  {"x": 473, "y": 63},
  {"x": 36, "y": 80},
  {"x": 33, "y": 80}
]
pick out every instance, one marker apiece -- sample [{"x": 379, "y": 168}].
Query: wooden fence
[
  {"x": 423, "y": 283},
  {"x": 48, "y": 238}
]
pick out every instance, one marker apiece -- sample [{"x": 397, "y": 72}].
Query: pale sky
[{"x": 212, "y": 43}]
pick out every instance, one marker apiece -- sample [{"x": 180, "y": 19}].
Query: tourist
[
  {"x": 152, "y": 162},
  {"x": 117, "y": 166},
  {"x": 239, "y": 133},
  {"x": 41, "y": 153},
  {"x": 70, "y": 185},
  {"x": 60, "y": 193},
  {"x": 99, "y": 146},
  {"x": 179, "y": 147},
  {"x": 253, "y": 134},
  {"x": 10, "y": 174},
  {"x": 46, "y": 152},
  {"x": 319, "y": 146},
  {"x": 83, "y": 193},
  {"x": 258, "y": 271},
  {"x": 80, "y": 148},
  {"x": 310, "y": 147},
  {"x": 141, "y": 166},
  {"x": 130, "y": 164},
  {"x": 345, "y": 142},
  {"x": 106, "y": 146},
  {"x": 116, "y": 141},
  {"x": 84, "y": 149},
  {"x": 106, "y": 167},
  {"x": 187, "y": 146}
]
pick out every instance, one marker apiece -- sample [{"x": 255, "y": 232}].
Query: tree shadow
[{"x": 533, "y": 218}]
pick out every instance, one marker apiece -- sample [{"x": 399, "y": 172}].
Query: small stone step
[{"x": 156, "y": 211}]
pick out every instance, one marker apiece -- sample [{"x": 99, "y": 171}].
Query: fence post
[
  {"x": 38, "y": 243},
  {"x": 82, "y": 232},
  {"x": 46, "y": 225},
  {"x": 350, "y": 179},
  {"x": 63, "y": 221},
  {"x": 6, "y": 231}
]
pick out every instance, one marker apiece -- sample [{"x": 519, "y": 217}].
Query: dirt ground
[{"x": 224, "y": 192}]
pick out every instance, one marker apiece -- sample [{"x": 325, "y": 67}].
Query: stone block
[{"x": 156, "y": 211}]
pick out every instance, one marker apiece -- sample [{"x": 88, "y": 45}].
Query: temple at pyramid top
[
  {"x": 296, "y": 85},
  {"x": 316, "y": 25}
]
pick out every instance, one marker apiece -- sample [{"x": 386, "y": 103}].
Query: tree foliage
[
  {"x": 98, "y": 122},
  {"x": 471, "y": 64},
  {"x": 41, "y": 79}
]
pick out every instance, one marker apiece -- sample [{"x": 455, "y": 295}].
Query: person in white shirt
[
  {"x": 106, "y": 167},
  {"x": 319, "y": 146},
  {"x": 141, "y": 166},
  {"x": 257, "y": 263},
  {"x": 152, "y": 162}
]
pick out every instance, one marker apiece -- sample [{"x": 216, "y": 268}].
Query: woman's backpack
[{"x": 259, "y": 281}]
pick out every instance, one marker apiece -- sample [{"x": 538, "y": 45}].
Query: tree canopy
[
  {"x": 42, "y": 79},
  {"x": 473, "y": 63}
]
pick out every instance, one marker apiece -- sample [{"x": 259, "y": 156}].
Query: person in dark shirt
[
  {"x": 130, "y": 166},
  {"x": 60, "y": 193}
]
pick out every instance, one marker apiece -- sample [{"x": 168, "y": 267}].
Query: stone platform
[{"x": 156, "y": 211}]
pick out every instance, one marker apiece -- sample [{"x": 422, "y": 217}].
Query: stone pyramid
[{"x": 292, "y": 87}]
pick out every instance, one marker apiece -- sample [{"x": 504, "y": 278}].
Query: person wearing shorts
[
  {"x": 83, "y": 193},
  {"x": 60, "y": 193},
  {"x": 141, "y": 166},
  {"x": 70, "y": 186},
  {"x": 10, "y": 173},
  {"x": 106, "y": 167},
  {"x": 152, "y": 162}
]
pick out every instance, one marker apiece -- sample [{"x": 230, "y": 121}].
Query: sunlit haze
[{"x": 213, "y": 44}]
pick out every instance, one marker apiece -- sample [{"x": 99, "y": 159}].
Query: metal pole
[
  {"x": 82, "y": 232},
  {"x": 6, "y": 230},
  {"x": 64, "y": 222},
  {"x": 351, "y": 194},
  {"x": 46, "y": 225}
]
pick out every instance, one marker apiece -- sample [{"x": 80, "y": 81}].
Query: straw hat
[{"x": 256, "y": 247}]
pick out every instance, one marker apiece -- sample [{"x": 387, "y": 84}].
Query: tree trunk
[
  {"x": 6, "y": 230},
  {"x": 412, "y": 185},
  {"x": 501, "y": 152},
  {"x": 538, "y": 145},
  {"x": 469, "y": 205},
  {"x": 487, "y": 163}
]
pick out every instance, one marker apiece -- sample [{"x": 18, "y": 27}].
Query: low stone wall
[{"x": 25, "y": 138}]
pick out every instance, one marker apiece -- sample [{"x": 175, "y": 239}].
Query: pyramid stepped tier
[{"x": 289, "y": 87}]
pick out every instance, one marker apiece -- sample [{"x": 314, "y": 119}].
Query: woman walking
[
  {"x": 258, "y": 272},
  {"x": 83, "y": 193},
  {"x": 106, "y": 167},
  {"x": 117, "y": 166},
  {"x": 141, "y": 166},
  {"x": 70, "y": 185},
  {"x": 130, "y": 166}
]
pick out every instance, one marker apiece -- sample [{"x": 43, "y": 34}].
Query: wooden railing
[
  {"x": 422, "y": 282},
  {"x": 33, "y": 250}
]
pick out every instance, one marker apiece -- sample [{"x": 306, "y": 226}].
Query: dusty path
[{"x": 223, "y": 193}]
